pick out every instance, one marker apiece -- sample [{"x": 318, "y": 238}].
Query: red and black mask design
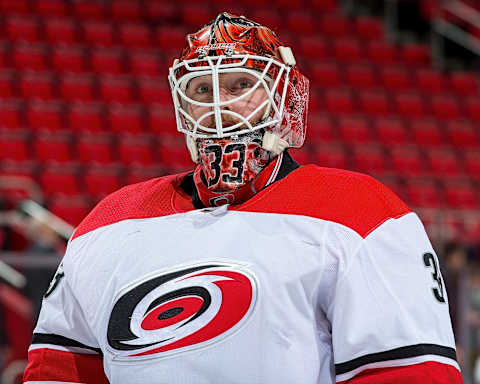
[{"x": 230, "y": 163}]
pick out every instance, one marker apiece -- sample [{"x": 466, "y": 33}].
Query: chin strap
[{"x": 240, "y": 195}]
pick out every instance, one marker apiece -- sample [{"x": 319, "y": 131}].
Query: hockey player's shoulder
[
  {"x": 151, "y": 198},
  {"x": 349, "y": 198}
]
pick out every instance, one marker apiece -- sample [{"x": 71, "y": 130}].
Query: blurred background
[{"x": 85, "y": 108}]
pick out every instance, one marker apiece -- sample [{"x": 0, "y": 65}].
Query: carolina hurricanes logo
[{"x": 179, "y": 310}]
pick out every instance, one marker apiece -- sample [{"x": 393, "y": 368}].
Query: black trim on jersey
[
  {"x": 188, "y": 186},
  {"x": 48, "y": 338},
  {"x": 395, "y": 354},
  {"x": 288, "y": 165}
]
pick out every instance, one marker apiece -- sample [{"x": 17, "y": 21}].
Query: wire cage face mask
[{"x": 219, "y": 118}]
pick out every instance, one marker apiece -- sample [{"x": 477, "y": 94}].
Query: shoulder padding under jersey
[
  {"x": 152, "y": 198},
  {"x": 352, "y": 199}
]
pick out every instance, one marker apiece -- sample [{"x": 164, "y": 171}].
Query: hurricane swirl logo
[{"x": 182, "y": 309}]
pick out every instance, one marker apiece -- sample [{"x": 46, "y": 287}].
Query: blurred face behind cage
[{"x": 238, "y": 92}]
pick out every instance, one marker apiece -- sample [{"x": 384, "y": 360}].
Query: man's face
[{"x": 231, "y": 86}]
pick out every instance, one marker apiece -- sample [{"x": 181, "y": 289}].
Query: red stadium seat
[
  {"x": 331, "y": 156},
  {"x": 172, "y": 154},
  {"x": 369, "y": 28},
  {"x": 89, "y": 9},
  {"x": 348, "y": 50},
  {"x": 45, "y": 115},
  {"x": 71, "y": 209},
  {"x": 335, "y": 25},
  {"x": 324, "y": 5},
  {"x": 462, "y": 134},
  {"x": 7, "y": 85},
  {"x": 48, "y": 8},
  {"x": 10, "y": 114},
  {"x": 430, "y": 80},
  {"x": 126, "y": 118},
  {"x": 61, "y": 30},
  {"x": 58, "y": 180},
  {"x": 375, "y": 102},
  {"x": 354, "y": 129},
  {"x": 147, "y": 63},
  {"x": 361, "y": 76},
  {"x": 4, "y": 56},
  {"x": 69, "y": 58},
  {"x": 321, "y": 129},
  {"x": 391, "y": 131},
  {"x": 339, "y": 101},
  {"x": 110, "y": 61},
  {"x": 14, "y": 146},
  {"x": 161, "y": 120},
  {"x": 464, "y": 83},
  {"x": 301, "y": 155},
  {"x": 49, "y": 147},
  {"x": 471, "y": 160},
  {"x": 461, "y": 195},
  {"x": 95, "y": 148},
  {"x": 97, "y": 32},
  {"x": 445, "y": 107},
  {"x": 171, "y": 37},
  {"x": 407, "y": 161},
  {"x": 116, "y": 89},
  {"x": 136, "y": 150},
  {"x": 195, "y": 15},
  {"x": 14, "y": 6},
  {"x": 34, "y": 85},
  {"x": 326, "y": 74},
  {"x": 395, "y": 78},
  {"x": 77, "y": 87},
  {"x": 423, "y": 193},
  {"x": 154, "y": 91},
  {"x": 313, "y": 47},
  {"x": 86, "y": 117},
  {"x": 101, "y": 181},
  {"x": 159, "y": 10},
  {"x": 26, "y": 28},
  {"x": 472, "y": 106},
  {"x": 135, "y": 35},
  {"x": 369, "y": 159},
  {"x": 30, "y": 56},
  {"x": 414, "y": 54},
  {"x": 410, "y": 104},
  {"x": 138, "y": 173},
  {"x": 427, "y": 132},
  {"x": 381, "y": 52},
  {"x": 126, "y": 10},
  {"x": 267, "y": 16},
  {"x": 444, "y": 162},
  {"x": 301, "y": 22}
]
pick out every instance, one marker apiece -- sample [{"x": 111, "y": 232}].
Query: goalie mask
[{"x": 239, "y": 99}]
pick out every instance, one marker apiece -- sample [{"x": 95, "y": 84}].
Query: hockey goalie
[{"x": 249, "y": 269}]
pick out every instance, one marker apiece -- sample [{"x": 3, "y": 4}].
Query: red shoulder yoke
[
  {"x": 353, "y": 199},
  {"x": 156, "y": 197}
]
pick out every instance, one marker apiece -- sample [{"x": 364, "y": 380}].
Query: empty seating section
[{"x": 85, "y": 105}]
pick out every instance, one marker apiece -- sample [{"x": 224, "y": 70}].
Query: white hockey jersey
[{"x": 324, "y": 276}]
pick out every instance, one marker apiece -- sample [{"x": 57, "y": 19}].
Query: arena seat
[
  {"x": 77, "y": 87},
  {"x": 86, "y": 117},
  {"x": 95, "y": 148}
]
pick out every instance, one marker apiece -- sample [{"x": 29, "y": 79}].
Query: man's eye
[
  {"x": 244, "y": 84},
  {"x": 202, "y": 89}
]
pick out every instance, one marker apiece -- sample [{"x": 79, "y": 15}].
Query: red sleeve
[
  {"x": 52, "y": 365},
  {"x": 425, "y": 373}
]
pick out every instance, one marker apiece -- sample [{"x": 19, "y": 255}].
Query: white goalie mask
[{"x": 235, "y": 78}]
